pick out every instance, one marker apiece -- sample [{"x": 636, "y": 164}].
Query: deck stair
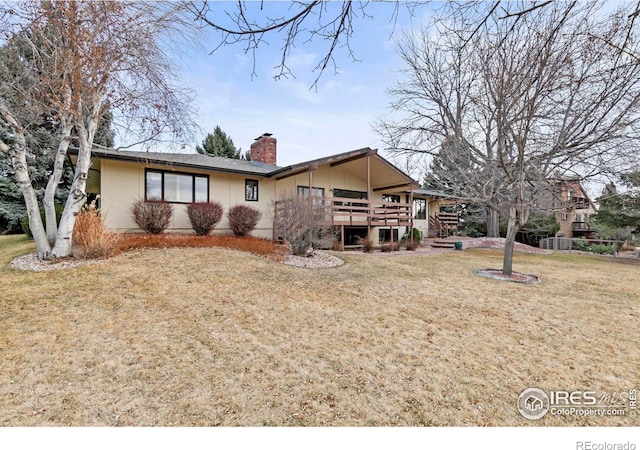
[
  {"x": 443, "y": 224},
  {"x": 443, "y": 243}
]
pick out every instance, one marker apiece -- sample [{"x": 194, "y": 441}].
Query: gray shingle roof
[{"x": 190, "y": 160}]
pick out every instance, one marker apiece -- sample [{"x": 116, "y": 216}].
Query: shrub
[
  {"x": 390, "y": 247},
  {"x": 25, "y": 220},
  {"x": 412, "y": 245},
  {"x": 152, "y": 216},
  {"x": 366, "y": 243},
  {"x": 243, "y": 219},
  {"x": 11, "y": 215},
  {"x": 300, "y": 245},
  {"x": 416, "y": 234},
  {"x": 603, "y": 249},
  {"x": 204, "y": 216},
  {"x": 581, "y": 244},
  {"x": 90, "y": 236},
  {"x": 301, "y": 224}
]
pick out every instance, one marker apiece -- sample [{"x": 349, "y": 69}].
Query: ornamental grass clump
[
  {"x": 90, "y": 236},
  {"x": 204, "y": 216},
  {"x": 152, "y": 216},
  {"x": 243, "y": 219}
]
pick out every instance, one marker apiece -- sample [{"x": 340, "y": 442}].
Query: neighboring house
[
  {"x": 365, "y": 192},
  {"x": 572, "y": 207}
]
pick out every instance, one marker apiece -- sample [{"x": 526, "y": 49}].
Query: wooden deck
[{"x": 357, "y": 212}]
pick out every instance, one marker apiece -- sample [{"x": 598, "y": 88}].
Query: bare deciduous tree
[
  {"x": 251, "y": 23},
  {"x": 519, "y": 100},
  {"x": 300, "y": 221},
  {"x": 82, "y": 59}
]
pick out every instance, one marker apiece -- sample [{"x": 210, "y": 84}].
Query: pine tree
[
  {"x": 219, "y": 144},
  {"x": 619, "y": 210}
]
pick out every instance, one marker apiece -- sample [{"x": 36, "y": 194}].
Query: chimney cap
[{"x": 263, "y": 135}]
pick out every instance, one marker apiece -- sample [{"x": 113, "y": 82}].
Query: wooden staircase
[{"x": 442, "y": 223}]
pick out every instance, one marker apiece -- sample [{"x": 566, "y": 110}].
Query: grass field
[{"x": 210, "y": 336}]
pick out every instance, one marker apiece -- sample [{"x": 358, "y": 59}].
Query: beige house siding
[
  {"x": 122, "y": 183},
  {"x": 326, "y": 177},
  {"x": 229, "y": 191},
  {"x": 338, "y": 177}
]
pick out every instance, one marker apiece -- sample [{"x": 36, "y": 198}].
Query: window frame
[
  {"x": 318, "y": 199},
  {"x": 383, "y": 232},
  {"x": 417, "y": 210},
  {"x": 248, "y": 182},
  {"x": 162, "y": 173},
  {"x": 391, "y": 198}
]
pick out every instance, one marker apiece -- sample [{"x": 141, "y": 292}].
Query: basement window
[{"x": 384, "y": 235}]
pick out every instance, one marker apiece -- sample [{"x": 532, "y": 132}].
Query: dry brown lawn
[{"x": 210, "y": 336}]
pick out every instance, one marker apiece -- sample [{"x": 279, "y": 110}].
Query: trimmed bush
[
  {"x": 152, "y": 216},
  {"x": 204, "y": 216},
  {"x": 243, "y": 219}
]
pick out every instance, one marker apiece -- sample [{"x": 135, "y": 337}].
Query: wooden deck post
[
  {"x": 370, "y": 210},
  {"x": 411, "y": 211},
  {"x": 311, "y": 202}
]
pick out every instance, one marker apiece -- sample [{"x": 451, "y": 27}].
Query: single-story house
[{"x": 365, "y": 192}]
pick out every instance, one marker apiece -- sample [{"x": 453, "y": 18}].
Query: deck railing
[
  {"x": 359, "y": 212},
  {"x": 442, "y": 223},
  {"x": 581, "y": 226}
]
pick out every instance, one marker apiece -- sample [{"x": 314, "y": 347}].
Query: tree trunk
[
  {"x": 77, "y": 193},
  {"x": 18, "y": 157},
  {"x": 493, "y": 224},
  {"x": 48, "y": 201},
  {"x": 512, "y": 230}
]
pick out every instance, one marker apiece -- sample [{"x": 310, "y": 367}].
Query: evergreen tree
[
  {"x": 619, "y": 210},
  {"x": 219, "y": 144},
  {"x": 42, "y": 141}
]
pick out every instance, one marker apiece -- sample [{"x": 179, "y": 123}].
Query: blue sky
[{"x": 308, "y": 123}]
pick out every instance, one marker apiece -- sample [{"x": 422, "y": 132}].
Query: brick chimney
[{"x": 264, "y": 149}]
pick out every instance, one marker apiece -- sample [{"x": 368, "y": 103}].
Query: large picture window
[{"x": 176, "y": 187}]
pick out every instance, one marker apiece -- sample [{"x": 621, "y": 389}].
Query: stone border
[{"x": 516, "y": 277}]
